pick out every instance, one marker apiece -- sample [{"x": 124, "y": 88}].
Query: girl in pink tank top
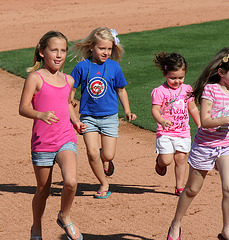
[{"x": 46, "y": 98}]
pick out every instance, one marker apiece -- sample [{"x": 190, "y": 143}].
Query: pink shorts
[{"x": 204, "y": 157}]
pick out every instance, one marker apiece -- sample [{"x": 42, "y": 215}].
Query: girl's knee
[
  {"x": 225, "y": 190},
  {"x": 165, "y": 160},
  {"x": 108, "y": 157},
  {"x": 181, "y": 160},
  {"x": 93, "y": 155},
  {"x": 70, "y": 184},
  {"x": 192, "y": 191},
  {"x": 43, "y": 192}
]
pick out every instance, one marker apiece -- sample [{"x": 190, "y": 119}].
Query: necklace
[
  {"x": 103, "y": 79},
  {"x": 171, "y": 102}
]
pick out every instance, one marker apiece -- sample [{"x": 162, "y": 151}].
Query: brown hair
[
  {"x": 210, "y": 73},
  {"x": 169, "y": 62},
  {"x": 42, "y": 44}
]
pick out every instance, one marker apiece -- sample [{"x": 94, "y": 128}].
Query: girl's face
[
  {"x": 224, "y": 78},
  {"x": 101, "y": 51},
  {"x": 175, "y": 78},
  {"x": 54, "y": 54}
]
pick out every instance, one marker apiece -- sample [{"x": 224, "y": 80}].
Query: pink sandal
[
  {"x": 169, "y": 238},
  {"x": 178, "y": 191}
]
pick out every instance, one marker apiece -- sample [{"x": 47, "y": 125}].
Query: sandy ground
[{"x": 142, "y": 203}]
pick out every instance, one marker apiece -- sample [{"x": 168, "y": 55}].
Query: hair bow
[
  {"x": 114, "y": 34},
  {"x": 224, "y": 60}
]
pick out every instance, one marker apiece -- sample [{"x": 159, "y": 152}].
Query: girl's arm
[
  {"x": 157, "y": 116},
  {"x": 123, "y": 96},
  {"x": 32, "y": 85},
  {"x": 79, "y": 126},
  {"x": 194, "y": 112},
  {"x": 205, "y": 116},
  {"x": 74, "y": 104}
]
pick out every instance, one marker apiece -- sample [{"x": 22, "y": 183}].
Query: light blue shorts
[
  {"x": 204, "y": 157},
  {"x": 107, "y": 125},
  {"x": 47, "y": 159},
  {"x": 167, "y": 144}
]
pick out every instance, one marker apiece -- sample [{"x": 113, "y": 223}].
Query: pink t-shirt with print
[{"x": 174, "y": 107}]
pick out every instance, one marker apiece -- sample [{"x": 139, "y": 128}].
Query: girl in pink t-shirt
[
  {"x": 170, "y": 108},
  {"x": 46, "y": 98},
  {"x": 211, "y": 144}
]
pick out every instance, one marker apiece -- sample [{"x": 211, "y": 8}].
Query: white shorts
[
  {"x": 204, "y": 157},
  {"x": 168, "y": 144}
]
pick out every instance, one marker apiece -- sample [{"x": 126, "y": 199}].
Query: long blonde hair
[
  {"x": 42, "y": 44},
  {"x": 83, "y": 48}
]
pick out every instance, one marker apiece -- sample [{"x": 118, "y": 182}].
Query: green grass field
[{"x": 198, "y": 43}]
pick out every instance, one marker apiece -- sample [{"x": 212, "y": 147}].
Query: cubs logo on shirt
[{"x": 97, "y": 87}]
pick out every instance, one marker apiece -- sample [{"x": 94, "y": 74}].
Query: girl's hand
[
  {"x": 80, "y": 127},
  {"x": 49, "y": 117},
  {"x": 130, "y": 116},
  {"x": 166, "y": 124}
]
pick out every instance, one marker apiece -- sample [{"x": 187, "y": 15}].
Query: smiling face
[
  {"x": 54, "y": 54},
  {"x": 175, "y": 78},
  {"x": 101, "y": 51}
]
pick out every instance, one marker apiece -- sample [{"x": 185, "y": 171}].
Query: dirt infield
[{"x": 142, "y": 203}]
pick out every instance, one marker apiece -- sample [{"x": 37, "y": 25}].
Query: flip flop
[
  {"x": 71, "y": 227},
  {"x": 220, "y": 237},
  {"x": 178, "y": 191},
  {"x": 160, "y": 170},
  {"x": 34, "y": 237},
  {"x": 110, "y": 170},
  {"x": 169, "y": 238},
  {"x": 100, "y": 196}
]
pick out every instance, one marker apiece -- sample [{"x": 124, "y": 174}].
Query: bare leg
[
  {"x": 180, "y": 168},
  {"x": 192, "y": 188},
  {"x": 162, "y": 161},
  {"x": 223, "y": 166},
  {"x": 68, "y": 164},
  {"x": 44, "y": 178},
  {"x": 108, "y": 149},
  {"x": 165, "y": 159},
  {"x": 91, "y": 140}
]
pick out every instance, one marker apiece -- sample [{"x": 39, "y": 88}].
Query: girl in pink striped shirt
[{"x": 211, "y": 144}]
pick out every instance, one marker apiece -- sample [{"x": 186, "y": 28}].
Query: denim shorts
[
  {"x": 47, "y": 159},
  {"x": 107, "y": 125},
  {"x": 167, "y": 144},
  {"x": 204, "y": 157}
]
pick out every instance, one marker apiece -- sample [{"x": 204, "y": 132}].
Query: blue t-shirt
[{"x": 98, "y": 86}]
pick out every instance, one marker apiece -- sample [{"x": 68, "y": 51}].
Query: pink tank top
[{"x": 49, "y": 138}]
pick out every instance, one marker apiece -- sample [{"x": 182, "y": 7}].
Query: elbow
[
  {"x": 205, "y": 124},
  {"x": 20, "y": 111}
]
